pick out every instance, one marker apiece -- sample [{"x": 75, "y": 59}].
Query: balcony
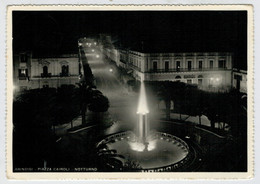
[
  {"x": 134, "y": 67},
  {"x": 23, "y": 78},
  {"x": 64, "y": 74},
  {"x": 45, "y": 75},
  {"x": 184, "y": 70}
]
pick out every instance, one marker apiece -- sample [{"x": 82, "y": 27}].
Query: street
[{"x": 123, "y": 104}]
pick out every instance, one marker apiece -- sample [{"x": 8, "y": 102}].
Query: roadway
[{"x": 123, "y": 104}]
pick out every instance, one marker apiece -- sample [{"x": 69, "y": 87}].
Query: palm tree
[{"x": 108, "y": 160}]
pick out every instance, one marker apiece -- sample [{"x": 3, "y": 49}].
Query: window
[
  {"x": 222, "y": 63},
  {"x": 65, "y": 70},
  {"x": 155, "y": 66},
  {"x": 45, "y": 86},
  {"x": 189, "y": 65},
  {"x": 200, "y": 65},
  {"x": 211, "y": 64},
  {"x": 200, "y": 82},
  {"x": 23, "y": 58},
  {"x": 166, "y": 65},
  {"x": 189, "y": 81},
  {"x": 45, "y": 70},
  {"x": 23, "y": 74},
  {"x": 178, "y": 65},
  {"x": 238, "y": 77}
]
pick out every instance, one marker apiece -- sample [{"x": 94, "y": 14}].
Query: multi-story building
[
  {"x": 239, "y": 80},
  {"x": 208, "y": 70},
  {"x": 31, "y": 72}
]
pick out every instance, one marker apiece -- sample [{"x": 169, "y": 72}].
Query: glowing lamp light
[
  {"x": 97, "y": 56},
  {"x": 111, "y": 70},
  {"x": 93, "y": 50},
  {"x": 211, "y": 78},
  {"x": 142, "y": 104},
  {"x": 14, "y": 88},
  {"x": 217, "y": 79}
]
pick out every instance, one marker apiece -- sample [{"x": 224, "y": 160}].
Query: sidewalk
[
  {"x": 62, "y": 129},
  {"x": 195, "y": 120}
]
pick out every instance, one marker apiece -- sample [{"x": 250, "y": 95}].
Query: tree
[
  {"x": 84, "y": 93},
  {"x": 33, "y": 115},
  {"x": 99, "y": 104},
  {"x": 108, "y": 160},
  {"x": 67, "y": 106},
  {"x": 131, "y": 165},
  {"x": 164, "y": 94},
  {"x": 178, "y": 95},
  {"x": 86, "y": 85}
]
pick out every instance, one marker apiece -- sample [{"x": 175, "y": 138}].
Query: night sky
[{"x": 55, "y": 32}]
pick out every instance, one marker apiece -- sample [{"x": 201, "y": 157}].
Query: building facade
[
  {"x": 207, "y": 70},
  {"x": 239, "y": 80},
  {"x": 30, "y": 72}
]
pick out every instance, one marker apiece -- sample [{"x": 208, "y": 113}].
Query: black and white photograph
[{"x": 134, "y": 91}]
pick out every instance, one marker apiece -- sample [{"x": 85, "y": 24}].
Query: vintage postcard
[{"x": 130, "y": 92}]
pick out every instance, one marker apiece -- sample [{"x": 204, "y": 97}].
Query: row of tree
[
  {"x": 36, "y": 113},
  {"x": 188, "y": 99}
]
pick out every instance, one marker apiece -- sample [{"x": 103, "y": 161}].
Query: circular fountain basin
[{"x": 160, "y": 150}]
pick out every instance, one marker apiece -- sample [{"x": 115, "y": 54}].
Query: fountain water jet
[
  {"x": 152, "y": 150},
  {"x": 142, "y": 110}
]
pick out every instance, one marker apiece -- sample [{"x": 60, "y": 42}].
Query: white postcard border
[{"x": 114, "y": 175}]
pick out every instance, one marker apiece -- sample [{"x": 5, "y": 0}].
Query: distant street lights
[{"x": 215, "y": 81}]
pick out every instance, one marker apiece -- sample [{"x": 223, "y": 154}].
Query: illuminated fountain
[
  {"x": 153, "y": 151},
  {"x": 142, "y": 110}
]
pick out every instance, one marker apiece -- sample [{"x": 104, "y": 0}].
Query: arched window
[
  {"x": 189, "y": 65},
  {"x": 200, "y": 76},
  {"x": 64, "y": 70},
  {"x": 178, "y": 77},
  {"x": 178, "y": 65},
  {"x": 45, "y": 71}
]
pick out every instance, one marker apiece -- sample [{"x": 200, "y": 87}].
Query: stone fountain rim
[{"x": 172, "y": 166}]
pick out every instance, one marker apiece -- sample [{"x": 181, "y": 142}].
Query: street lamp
[{"x": 14, "y": 88}]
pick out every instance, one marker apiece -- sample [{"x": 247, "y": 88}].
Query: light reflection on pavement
[{"x": 123, "y": 104}]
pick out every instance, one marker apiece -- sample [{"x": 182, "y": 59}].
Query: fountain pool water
[
  {"x": 164, "y": 150},
  {"x": 152, "y": 151}
]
